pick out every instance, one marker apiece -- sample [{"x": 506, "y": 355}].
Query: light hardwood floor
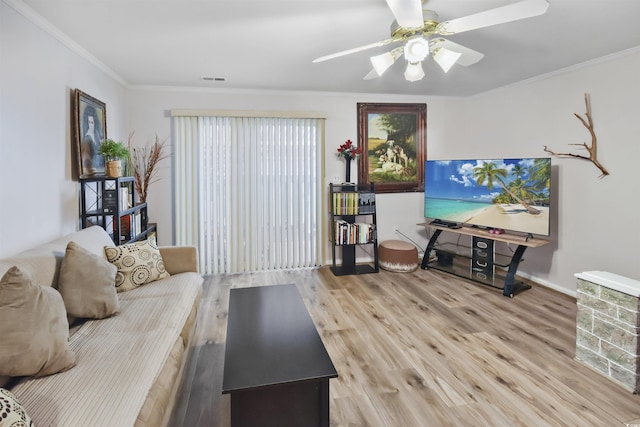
[{"x": 424, "y": 349}]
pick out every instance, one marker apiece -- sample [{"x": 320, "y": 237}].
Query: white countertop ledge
[{"x": 612, "y": 281}]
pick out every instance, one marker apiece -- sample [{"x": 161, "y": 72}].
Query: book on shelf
[
  {"x": 125, "y": 228},
  {"x": 135, "y": 230},
  {"x": 366, "y": 203},
  {"x": 109, "y": 201},
  {"x": 343, "y": 203},
  {"x": 353, "y": 233},
  {"x": 353, "y": 203},
  {"x": 124, "y": 198},
  {"x": 137, "y": 222}
]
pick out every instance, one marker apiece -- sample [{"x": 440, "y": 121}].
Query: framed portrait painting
[
  {"x": 90, "y": 129},
  {"x": 393, "y": 139}
]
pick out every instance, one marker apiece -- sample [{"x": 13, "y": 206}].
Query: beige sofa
[{"x": 128, "y": 367}]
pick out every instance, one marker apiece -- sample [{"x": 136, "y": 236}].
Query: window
[{"x": 248, "y": 191}]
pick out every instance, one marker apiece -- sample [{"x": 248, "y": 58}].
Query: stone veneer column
[{"x": 607, "y": 326}]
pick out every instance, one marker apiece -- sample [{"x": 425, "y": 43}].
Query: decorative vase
[
  {"x": 348, "y": 163},
  {"x": 114, "y": 168}
]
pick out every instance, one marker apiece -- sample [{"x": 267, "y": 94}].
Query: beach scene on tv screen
[{"x": 509, "y": 194}]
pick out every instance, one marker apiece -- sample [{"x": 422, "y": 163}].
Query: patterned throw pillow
[
  {"x": 138, "y": 263},
  {"x": 11, "y": 412}
]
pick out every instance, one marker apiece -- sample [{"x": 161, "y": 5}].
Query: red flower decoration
[{"x": 348, "y": 150}]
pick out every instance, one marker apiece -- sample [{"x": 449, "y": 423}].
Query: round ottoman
[{"x": 398, "y": 256}]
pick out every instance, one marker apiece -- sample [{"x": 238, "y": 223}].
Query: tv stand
[{"x": 478, "y": 262}]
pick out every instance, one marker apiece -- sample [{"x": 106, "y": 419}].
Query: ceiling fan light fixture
[
  {"x": 371, "y": 75},
  {"x": 446, "y": 58},
  {"x": 382, "y": 62},
  {"x": 414, "y": 71},
  {"x": 416, "y": 49}
]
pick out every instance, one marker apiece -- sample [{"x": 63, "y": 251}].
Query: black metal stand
[
  {"x": 510, "y": 288},
  {"x": 510, "y": 285}
]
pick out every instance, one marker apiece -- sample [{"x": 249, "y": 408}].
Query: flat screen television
[{"x": 505, "y": 194}]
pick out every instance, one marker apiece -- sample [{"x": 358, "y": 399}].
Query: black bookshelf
[
  {"x": 352, "y": 225},
  {"x": 112, "y": 204}
]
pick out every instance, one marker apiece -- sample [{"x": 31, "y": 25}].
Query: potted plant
[{"x": 113, "y": 153}]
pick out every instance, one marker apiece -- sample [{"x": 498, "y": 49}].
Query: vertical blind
[{"x": 248, "y": 191}]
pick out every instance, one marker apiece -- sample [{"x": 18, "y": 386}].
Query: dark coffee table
[{"x": 276, "y": 367}]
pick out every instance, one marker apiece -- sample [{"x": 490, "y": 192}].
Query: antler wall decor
[{"x": 588, "y": 123}]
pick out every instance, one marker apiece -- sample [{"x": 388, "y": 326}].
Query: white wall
[{"x": 37, "y": 74}]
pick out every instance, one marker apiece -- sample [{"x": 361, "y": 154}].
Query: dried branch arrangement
[
  {"x": 144, "y": 162},
  {"x": 592, "y": 149}
]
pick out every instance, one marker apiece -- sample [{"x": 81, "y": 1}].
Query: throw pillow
[
  {"x": 87, "y": 284},
  {"x": 11, "y": 412},
  {"x": 33, "y": 327},
  {"x": 138, "y": 263}
]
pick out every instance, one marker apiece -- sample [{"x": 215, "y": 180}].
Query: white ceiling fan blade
[
  {"x": 513, "y": 12},
  {"x": 408, "y": 13},
  {"x": 354, "y": 50},
  {"x": 467, "y": 57}
]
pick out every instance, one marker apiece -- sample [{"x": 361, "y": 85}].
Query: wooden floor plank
[{"x": 424, "y": 348}]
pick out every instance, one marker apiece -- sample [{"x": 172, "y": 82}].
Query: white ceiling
[{"x": 269, "y": 44}]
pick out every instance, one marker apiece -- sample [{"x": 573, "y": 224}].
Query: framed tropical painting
[{"x": 393, "y": 138}]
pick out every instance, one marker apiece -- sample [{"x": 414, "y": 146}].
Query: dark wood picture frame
[
  {"x": 393, "y": 138},
  {"x": 90, "y": 129}
]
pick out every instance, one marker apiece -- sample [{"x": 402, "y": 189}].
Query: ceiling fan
[{"x": 421, "y": 32}]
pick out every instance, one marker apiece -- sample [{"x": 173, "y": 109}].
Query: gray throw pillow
[
  {"x": 87, "y": 283},
  {"x": 33, "y": 327}
]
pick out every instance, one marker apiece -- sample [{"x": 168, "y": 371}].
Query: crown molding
[
  {"x": 562, "y": 71},
  {"x": 26, "y": 11}
]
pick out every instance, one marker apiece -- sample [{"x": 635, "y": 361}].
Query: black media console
[{"x": 478, "y": 262}]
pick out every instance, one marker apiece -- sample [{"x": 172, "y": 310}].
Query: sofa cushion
[
  {"x": 12, "y": 414},
  {"x": 138, "y": 263},
  {"x": 120, "y": 358},
  {"x": 87, "y": 283},
  {"x": 33, "y": 327},
  {"x": 42, "y": 263}
]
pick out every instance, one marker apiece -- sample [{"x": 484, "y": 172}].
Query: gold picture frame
[{"x": 393, "y": 138}]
